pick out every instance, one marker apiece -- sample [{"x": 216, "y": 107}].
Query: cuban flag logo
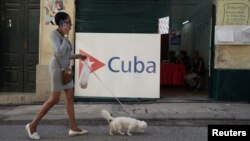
[{"x": 94, "y": 63}]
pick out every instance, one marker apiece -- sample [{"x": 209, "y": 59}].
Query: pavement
[{"x": 148, "y": 111}]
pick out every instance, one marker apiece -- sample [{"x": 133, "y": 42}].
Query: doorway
[
  {"x": 194, "y": 28},
  {"x": 19, "y": 45}
]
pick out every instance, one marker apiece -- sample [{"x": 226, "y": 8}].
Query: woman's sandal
[
  {"x": 76, "y": 133},
  {"x": 33, "y": 136}
]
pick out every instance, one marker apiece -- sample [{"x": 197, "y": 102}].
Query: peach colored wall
[
  {"x": 234, "y": 12},
  {"x": 45, "y": 50}
]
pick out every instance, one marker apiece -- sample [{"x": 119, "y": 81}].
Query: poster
[
  {"x": 175, "y": 37},
  {"x": 52, "y": 7},
  {"x": 123, "y": 65}
]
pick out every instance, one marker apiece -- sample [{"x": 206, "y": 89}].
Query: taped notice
[
  {"x": 232, "y": 35},
  {"x": 225, "y": 35},
  {"x": 246, "y": 35}
]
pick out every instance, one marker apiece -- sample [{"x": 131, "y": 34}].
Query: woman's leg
[
  {"x": 48, "y": 104},
  {"x": 69, "y": 95}
]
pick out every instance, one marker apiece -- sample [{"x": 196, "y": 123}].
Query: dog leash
[
  {"x": 105, "y": 86},
  {"x": 112, "y": 94}
]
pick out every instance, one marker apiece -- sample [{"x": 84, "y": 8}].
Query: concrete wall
[{"x": 232, "y": 12}]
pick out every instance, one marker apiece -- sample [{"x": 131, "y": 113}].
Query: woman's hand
[
  {"x": 80, "y": 56},
  {"x": 65, "y": 29}
]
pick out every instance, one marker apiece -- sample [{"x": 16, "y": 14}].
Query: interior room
[{"x": 190, "y": 28}]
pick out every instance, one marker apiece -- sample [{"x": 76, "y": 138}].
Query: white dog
[{"x": 119, "y": 123}]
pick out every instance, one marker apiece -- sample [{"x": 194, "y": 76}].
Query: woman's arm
[
  {"x": 57, "y": 44},
  {"x": 78, "y": 56}
]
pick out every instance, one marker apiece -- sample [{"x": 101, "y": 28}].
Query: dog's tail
[{"x": 106, "y": 115}]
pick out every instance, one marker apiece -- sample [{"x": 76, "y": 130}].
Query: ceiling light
[{"x": 187, "y": 21}]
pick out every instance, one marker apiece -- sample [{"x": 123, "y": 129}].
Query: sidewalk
[{"x": 154, "y": 111}]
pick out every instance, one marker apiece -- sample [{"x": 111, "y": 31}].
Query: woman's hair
[{"x": 60, "y": 17}]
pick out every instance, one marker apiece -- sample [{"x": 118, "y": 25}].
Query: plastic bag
[{"x": 85, "y": 73}]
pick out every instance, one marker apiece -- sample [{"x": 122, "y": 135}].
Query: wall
[
  {"x": 110, "y": 16},
  {"x": 179, "y": 13},
  {"x": 42, "y": 74},
  {"x": 196, "y": 35},
  {"x": 231, "y": 74},
  {"x": 232, "y": 56},
  {"x": 202, "y": 33},
  {"x": 45, "y": 52},
  {"x": 187, "y": 38},
  {"x": 198, "y": 12}
]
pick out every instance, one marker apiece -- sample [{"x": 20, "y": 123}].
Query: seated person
[
  {"x": 183, "y": 59},
  {"x": 196, "y": 72},
  {"x": 171, "y": 57}
]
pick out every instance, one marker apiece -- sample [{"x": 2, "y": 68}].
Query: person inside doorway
[
  {"x": 197, "y": 71},
  {"x": 184, "y": 59},
  {"x": 171, "y": 57},
  {"x": 60, "y": 60}
]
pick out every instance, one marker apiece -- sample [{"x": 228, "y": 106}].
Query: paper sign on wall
[{"x": 234, "y": 35}]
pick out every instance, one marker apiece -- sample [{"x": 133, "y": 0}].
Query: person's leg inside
[{"x": 190, "y": 79}]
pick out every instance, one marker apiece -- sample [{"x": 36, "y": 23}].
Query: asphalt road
[
  {"x": 100, "y": 133},
  {"x": 172, "y": 130}
]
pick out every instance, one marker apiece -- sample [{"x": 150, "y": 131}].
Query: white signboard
[{"x": 123, "y": 65}]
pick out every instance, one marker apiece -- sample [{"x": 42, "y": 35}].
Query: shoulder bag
[{"x": 67, "y": 74}]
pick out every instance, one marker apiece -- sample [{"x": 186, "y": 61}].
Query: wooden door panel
[
  {"x": 31, "y": 51},
  {"x": 12, "y": 48},
  {"x": 19, "y": 44}
]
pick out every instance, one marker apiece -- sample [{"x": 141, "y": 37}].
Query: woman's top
[{"x": 62, "y": 48}]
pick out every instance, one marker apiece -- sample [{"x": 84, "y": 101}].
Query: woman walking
[{"x": 60, "y": 60}]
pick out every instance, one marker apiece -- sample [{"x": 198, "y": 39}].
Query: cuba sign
[
  {"x": 126, "y": 64},
  {"x": 134, "y": 66}
]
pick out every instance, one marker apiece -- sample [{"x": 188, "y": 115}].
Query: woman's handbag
[{"x": 67, "y": 75}]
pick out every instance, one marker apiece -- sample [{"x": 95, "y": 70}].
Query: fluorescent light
[{"x": 187, "y": 21}]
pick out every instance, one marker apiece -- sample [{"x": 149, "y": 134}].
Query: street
[
  {"x": 166, "y": 121},
  {"x": 100, "y": 133},
  {"x": 172, "y": 130}
]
